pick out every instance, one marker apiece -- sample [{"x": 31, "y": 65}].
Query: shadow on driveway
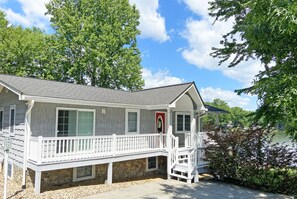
[{"x": 172, "y": 189}]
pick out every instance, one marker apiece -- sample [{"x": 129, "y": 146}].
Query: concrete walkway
[{"x": 173, "y": 189}]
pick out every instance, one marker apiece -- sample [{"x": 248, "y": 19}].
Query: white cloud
[
  {"x": 152, "y": 24},
  {"x": 199, "y": 7},
  {"x": 202, "y": 35},
  {"x": 33, "y": 14},
  {"x": 13, "y": 17},
  {"x": 159, "y": 78},
  {"x": 209, "y": 94}
]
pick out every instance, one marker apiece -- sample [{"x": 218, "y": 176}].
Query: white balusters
[{"x": 51, "y": 149}]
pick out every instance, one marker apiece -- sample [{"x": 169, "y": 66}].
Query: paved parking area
[{"x": 173, "y": 189}]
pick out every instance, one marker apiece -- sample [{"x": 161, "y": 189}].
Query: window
[
  {"x": 71, "y": 122},
  {"x": 9, "y": 170},
  {"x": 183, "y": 122},
  {"x": 132, "y": 121},
  {"x": 83, "y": 173},
  {"x": 152, "y": 163},
  {"x": 12, "y": 120},
  {"x": 1, "y": 119}
]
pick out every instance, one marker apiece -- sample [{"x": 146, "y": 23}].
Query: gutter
[{"x": 26, "y": 139}]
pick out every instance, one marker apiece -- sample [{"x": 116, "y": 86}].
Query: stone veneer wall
[{"x": 122, "y": 171}]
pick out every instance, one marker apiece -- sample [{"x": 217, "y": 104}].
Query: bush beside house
[{"x": 251, "y": 159}]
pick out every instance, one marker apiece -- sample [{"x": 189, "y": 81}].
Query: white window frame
[
  {"x": 75, "y": 109},
  {"x": 1, "y": 129},
  {"x": 76, "y": 179},
  {"x": 12, "y": 107},
  {"x": 183, "y": 114},
  {"x": 126, "y": 121},
  {"x": 10, "y": 177},
  {"x": 152, "y": 169}
]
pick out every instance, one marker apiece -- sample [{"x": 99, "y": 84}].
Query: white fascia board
[
  {"x": 11, "y": 89},
  {"x": 90, "y": 103},
  {"x": 173, "y": 104},
  {"x": 203, "y": 108}
]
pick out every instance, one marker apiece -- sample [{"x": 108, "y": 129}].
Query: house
[{"x": 63, "y": 132}]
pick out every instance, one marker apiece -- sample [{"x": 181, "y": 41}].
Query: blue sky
[{"x": 176, "y": 39}]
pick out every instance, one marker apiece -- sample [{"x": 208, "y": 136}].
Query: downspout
[
  {"x": 26, "y": 139},
  {"x": 199, "y": 116}
]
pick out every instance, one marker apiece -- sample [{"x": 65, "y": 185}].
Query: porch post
[
  {"x": 169, "y": 128},
  {"x": 109, "y": 173},
  {"x": 169, "y": 144},
  {"x": 27, "y": 140},
  {"x": 37, "y": 182},
  {"x": 193, "y": 129}
]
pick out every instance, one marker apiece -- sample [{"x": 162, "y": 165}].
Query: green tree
[
  {"x": 236, "y": 116},
  {"x": 96, "y": 41},
  {"x": 24, "y": 52},
  {"x": 265, "y": 30}
]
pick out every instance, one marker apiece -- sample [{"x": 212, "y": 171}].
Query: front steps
[{"x": 180, "y": 171}]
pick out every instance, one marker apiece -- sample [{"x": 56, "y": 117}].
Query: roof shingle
[{"x": 53, "y": 89}]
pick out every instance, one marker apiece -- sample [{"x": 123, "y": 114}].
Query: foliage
[
  {"x": 250, "y": 157},
  {"x": 236, "y": 116},
  {"x": 96, "y": 41},
  {"x": 264, "y": 30},
  {"x": 23, "y": 51}
]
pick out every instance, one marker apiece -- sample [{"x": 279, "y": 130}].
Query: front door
[{"x": 160, "y": 122}]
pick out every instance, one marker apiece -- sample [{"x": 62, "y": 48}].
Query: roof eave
[
  {"x": 92, "y": 103},
  {"x": 11, "y": 89},
  {"x": 173, "y": 103}
]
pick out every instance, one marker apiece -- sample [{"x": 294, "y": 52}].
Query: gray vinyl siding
[
  {"x": 16, "y": 153},
  {"x": 43, "y": 119},
  {"x": 147, "y": 121}
]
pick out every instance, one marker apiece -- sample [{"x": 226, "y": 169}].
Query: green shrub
[{"x": 250, "y": 158}]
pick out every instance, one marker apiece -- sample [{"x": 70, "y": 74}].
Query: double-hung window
[
  {"x": 12, "y": 115},
  {"x": 132, "y": 121},
  {"x": 183, "y": 122}
]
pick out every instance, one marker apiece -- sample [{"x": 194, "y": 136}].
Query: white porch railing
[
  {"x": 54, "y": 149},
  {"x": 201, "y": 138},
  {"x": 173, "y": 153},
  {"x": 188, "y": 140},
  {"x": 192, "y": 162}
]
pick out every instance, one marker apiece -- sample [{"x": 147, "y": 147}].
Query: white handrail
[{"x": 51, "y": 149}]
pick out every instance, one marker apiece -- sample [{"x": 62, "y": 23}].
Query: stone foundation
[{"x": 122, "y": 171}]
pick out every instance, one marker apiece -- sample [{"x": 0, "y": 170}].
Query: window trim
[
  {"x": 11, "y": 163},
  {"x": 12, "y": 107},
  {"x": 75, "y": 109},
  {"x": 183, "y": 114},
  {"x": 147, "y": 164},
  {"x": 76, "y": 179},
  {"x": 1, "y": 128},
  {"x": 126, "y": 121}
]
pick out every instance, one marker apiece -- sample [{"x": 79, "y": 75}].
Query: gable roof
[{"x": 32, "y": 88}]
